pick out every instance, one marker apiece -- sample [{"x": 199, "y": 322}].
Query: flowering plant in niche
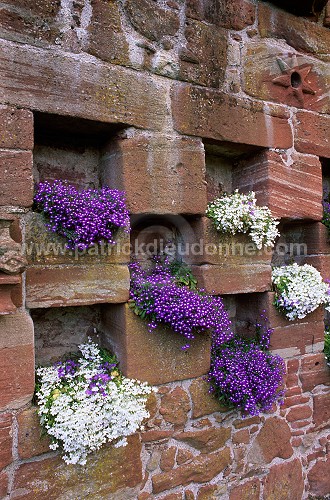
[
  {"x": 85, "y": 402},
  {"x": 239, "y": 213},
  {"x": 299, "y": 290},
  {"x": 244, "y": 374},
  {"x": 84, "y": 217},
  {"x": 167, "y": 295}
]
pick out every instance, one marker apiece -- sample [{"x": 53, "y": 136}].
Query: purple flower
[
  {"x": 67, "y": 368},
  {"x": 84, "y": 217},
  {"x": 244, "y": 374},
  {"x": 97, "y": 384},
  {"x": 160, "y": 299}
]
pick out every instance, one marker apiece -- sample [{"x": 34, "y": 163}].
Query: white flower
[
  {"x": 239, "y": 213},
  {"x": 299, "y": 290},
  {"x": 86, "y": 408}
]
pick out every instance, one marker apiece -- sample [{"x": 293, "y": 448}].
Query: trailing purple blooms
[
  {"x": 244, "y": 374},
  {"x": 84, "y": 217},
  {"x": 161, "y": 298}
]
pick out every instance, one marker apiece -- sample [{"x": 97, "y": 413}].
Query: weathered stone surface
[
  {"x": 106, "y": 472},
  {"x": 233, "y": 279},
  {"x": 203, "y": 468},
  {"x": 203, "y": 403},
  {"x": 247, "y": 491},
  {"x": 157, "y": 356},
  {"x": 30, "y": 22},
  {"x": 298, "y": 32},
  {"x": 225, "y": 13},
  {"x": 16, "y": 183},
  {"x": 299, "y": 413},
  {"x": 156, "y": 435},
  {"x": 241, "y": 437},
  {"x": 321, "y": 409},
  {"x": 160, "y": 175},
  {"x": 172, "y": 496},
  {"x": 301, "y": 83},
  {"x": 206, "y": 440},
  {"x": 196, "y": 111},
  {"x": 69, "y": 285},
  {"x": 273, "y": 440},
  {"x": 183, "y": 456},
  {"x": 290, "y": 187},
  {"x": 168, "y": 459},
  {"x": 87, "y": 89},
  {"x": 163, "y": 22},
  {"x": 16, "y": 128},
  {"x": 6, "y": 440},
  {"x": 314, "y": 371},
  {"x": 31, "y": 442},
  {"x": 3, "y": 484},
  {"x": 204, "y": 58},
  {"x": 312, "y": 134},
  {"x": 284, "y": 482},
  {"x": 106, "y": 38},
  {"x": 16, "y": 360},
  {"x": 44, "y": 247},
  {"x": 175, "y": 406},
  {"x": 318, "y": 478},
  {"x": 246, "y": 422}
]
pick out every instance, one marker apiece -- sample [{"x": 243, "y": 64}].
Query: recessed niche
[
  {"x": 153, "y": 235},
  {"x": 69, "y": 149},
  {"x": 59, "y": 331},
  {"x": 302, "y": 7},
  {"x": 325, "y": 162},
  {"x": 221, "y": 159}
]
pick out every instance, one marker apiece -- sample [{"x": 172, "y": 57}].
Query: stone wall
[{"x": 174, "y": 102}]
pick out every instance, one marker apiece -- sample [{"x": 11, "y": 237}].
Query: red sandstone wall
[{"x": 174, "y": 102}]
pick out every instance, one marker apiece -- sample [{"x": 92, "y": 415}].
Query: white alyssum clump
[
  {"x": 239, "y": 213},
  {"x": 299, "y": 290},
  {"x": 86, "y": 403}
]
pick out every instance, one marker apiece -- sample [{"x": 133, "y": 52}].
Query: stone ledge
[
  {"x": 212, "y": 114},
  {"x": 58, "y": 82},
  {"x": 153, "y": 357},
  {"x": 71, "y": 285}
]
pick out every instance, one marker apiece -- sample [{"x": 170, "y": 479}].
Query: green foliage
[{"x": 183, "y": 275}]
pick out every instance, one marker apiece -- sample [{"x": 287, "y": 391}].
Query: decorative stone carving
[
  {"x": 294, "y": 78},
  {"x": 12, "y": 263},
  {"x": 11, "y": 259}
]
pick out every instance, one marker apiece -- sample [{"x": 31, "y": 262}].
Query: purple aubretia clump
[
  {"x": 84, "y": 217},
  {"x": 244, "y": 374},
  {"x": 160, "y": 297}
]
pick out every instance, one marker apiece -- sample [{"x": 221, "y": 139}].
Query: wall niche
[
  {"x": 70, "y": 149},
  {"x": 222, "y": 159},
  {"x": 59, "y": 331}
]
